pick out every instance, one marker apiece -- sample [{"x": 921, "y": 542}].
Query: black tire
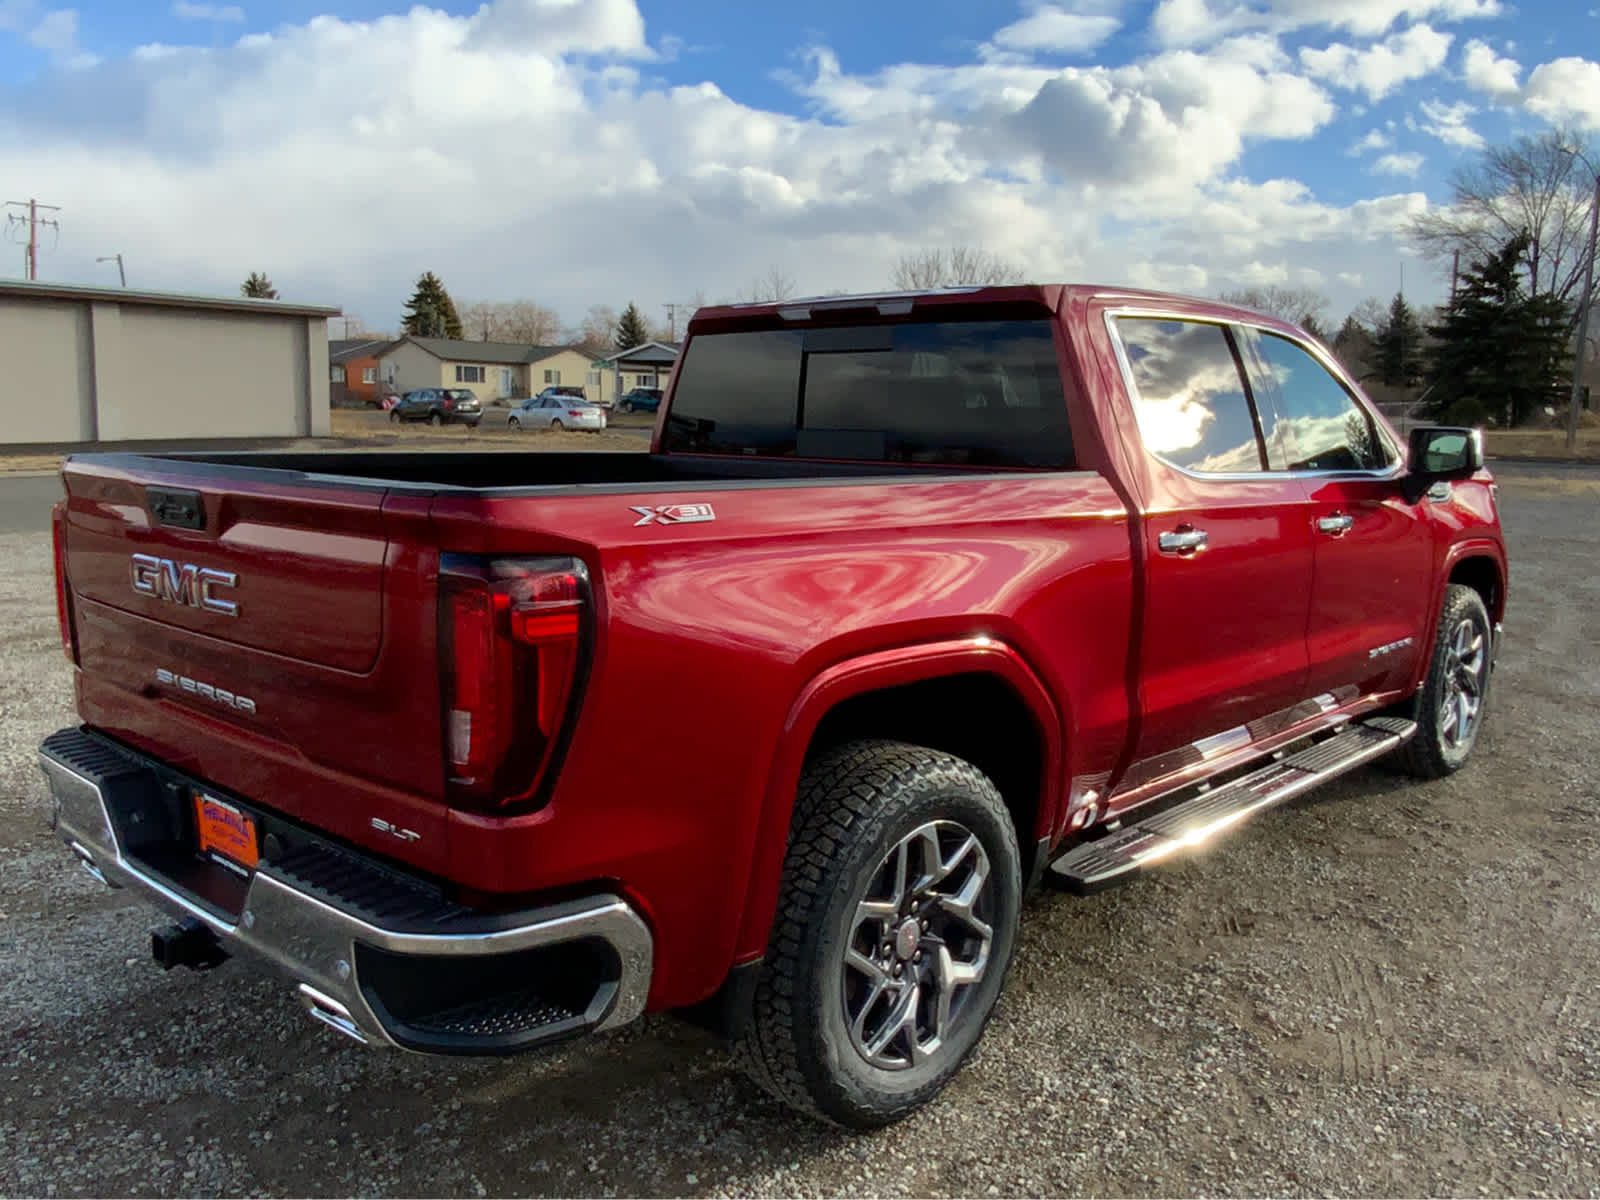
[
  {"x": 625, "y": 406},
  {"x": 513, "y": 423},
  {"x": 435, "y": 420},
  {"x": 857, "y": 807},
  {"x": 1440, "y": 747},
  {"x": 556, "y": 424},
  {"x": 394, "y": 417}
]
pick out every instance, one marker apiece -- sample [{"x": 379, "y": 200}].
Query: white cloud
[
  {"x": 1054, "y": 30},
  {"x": 1350, "y": 278},
  {"x": 56, "y": 32},
  {"x": 1567, "y": 89},
  {"x": 1200, "y": 22},
  {"x": 1448, "y": 123},
  {"x": 1373, "y": 139},
  {"x": 260, "y": 155},
  {"x": 185, "y": 11},
  {"x": 1397, "y": 164},
  {"x": 1487, "y": 72},
  {"x": 1379, "y": 69}
]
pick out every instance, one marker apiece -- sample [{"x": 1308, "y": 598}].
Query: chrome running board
[{"x": 1090, "y": 866}]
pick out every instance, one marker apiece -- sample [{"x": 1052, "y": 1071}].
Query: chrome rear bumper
[{"x": 321, "y": 944}]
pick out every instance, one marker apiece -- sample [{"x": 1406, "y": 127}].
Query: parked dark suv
[
  {"x": 640, "y": 400},
  {"x": 438, "y": 406}
]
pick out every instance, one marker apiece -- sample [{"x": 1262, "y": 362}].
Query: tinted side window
[
  {"x": 1318, "y": 423},
  {"x": 975, "y": 393},
  {"x": 1189, "y": 396}
]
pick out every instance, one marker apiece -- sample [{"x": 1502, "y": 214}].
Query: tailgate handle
[{"x": 179, "y": 507}]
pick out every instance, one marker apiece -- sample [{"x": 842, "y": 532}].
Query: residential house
[
  {"x": 644, "y": 366},
  {"x": 353, "y": 370},
  {"x": 492, "y": 370}
]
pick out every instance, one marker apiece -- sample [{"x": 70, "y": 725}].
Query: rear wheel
[
  {"x": 1449, "y": 709},
  {"x": 435, "y": 419},
  {"x": 897, "y": 919},
  {"x": 625, "y": 406},
  {"x": 556, "y": 423},
  {"x": 513, "y": 422}
]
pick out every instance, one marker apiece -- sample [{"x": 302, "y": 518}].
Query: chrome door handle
[
  {"x": 1338, "y": 525},
  {"x": 1183, "y": 540}
]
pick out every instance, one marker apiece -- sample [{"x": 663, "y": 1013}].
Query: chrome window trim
[{"x": 1111, "y": 315}]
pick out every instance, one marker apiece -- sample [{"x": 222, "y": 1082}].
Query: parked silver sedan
[{"x": 553, "y": 412}]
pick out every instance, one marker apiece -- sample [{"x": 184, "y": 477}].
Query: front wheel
[
  {"x": 394, "y": 417},
  {"x": 514, "y": 423},
  {"x": 1449, "y": 709},
  {"x": 625, "y": 407},
  {"x": 435, "y": 420},
  {"x": 897, "y": 920}
]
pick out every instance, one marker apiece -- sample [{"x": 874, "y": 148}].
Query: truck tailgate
[{"x": 274, "y": 635}]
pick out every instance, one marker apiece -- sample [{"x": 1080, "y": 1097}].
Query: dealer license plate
[{"x": 225, "y": 832}]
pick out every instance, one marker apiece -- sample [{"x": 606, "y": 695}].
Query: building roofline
[{"x": 32, "y": 289}]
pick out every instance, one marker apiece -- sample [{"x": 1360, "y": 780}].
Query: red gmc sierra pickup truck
[{"x": 916, "y": 602}]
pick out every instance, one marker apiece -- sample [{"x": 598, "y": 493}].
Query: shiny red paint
[{"x": 718, "y": 646}]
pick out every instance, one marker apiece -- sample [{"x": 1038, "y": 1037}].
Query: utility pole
[
  {"x": 116, "y": 258},
  {"x": 1584, "y": 298},
  {"x": 33, "y": 221},
  {"x": 672, "y": 321}
]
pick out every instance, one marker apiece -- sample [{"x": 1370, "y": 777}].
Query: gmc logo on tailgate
[{"x": 184, "y": 583}]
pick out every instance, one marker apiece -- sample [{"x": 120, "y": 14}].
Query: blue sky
[{"x": 580, "y": 152}]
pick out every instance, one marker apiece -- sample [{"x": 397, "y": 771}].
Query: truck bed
[{"x": 475, "y": 470}]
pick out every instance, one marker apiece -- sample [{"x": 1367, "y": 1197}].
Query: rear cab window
[{"x": 962, "y": 393}]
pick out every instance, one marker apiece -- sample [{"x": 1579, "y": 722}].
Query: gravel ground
[{"x": 1383, "y": 989}]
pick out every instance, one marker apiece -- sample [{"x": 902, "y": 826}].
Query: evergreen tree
[
  {"x": 1397, "y": 348},
  {"x": 1499, "y": 351},
  {"x": 1352, "y": 346},
  {"x": 631, "y": 329},
  {"x": 430, "y": 312},
  {"x": 258, "y": 287}
]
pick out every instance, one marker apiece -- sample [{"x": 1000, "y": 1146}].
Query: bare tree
[
  {"x": 1302, "y": 305},
  {"x": 1370, "y": 314},
  {"x": 775, "y": 284},
  {"x": 959, "y": 266},
  {"x": 1534, "y": 184},
  {"x": 510, "y": 321},
  {"x": 596, "y": 330}
]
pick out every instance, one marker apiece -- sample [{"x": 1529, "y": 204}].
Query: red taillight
[
  {"x": 58, "y": 538},
  {"x": 574, "y": 412},
  {"x": 512, "y": 633}
]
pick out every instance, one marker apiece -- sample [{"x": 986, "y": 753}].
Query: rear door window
[
  {"x": 1189, "y": 395},
  {"x": 971, "y": 393}
]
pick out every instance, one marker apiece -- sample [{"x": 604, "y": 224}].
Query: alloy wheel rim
[
  {"x": 1466, "y": 664},
  {"x": 919, "y": 945}
]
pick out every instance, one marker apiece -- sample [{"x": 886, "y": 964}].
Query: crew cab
[{"x": 917, "y": 601}]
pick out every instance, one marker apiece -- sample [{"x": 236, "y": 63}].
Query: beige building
[
  {"x": 492, "y": 370},
  {"x": 87, "y": 364}
]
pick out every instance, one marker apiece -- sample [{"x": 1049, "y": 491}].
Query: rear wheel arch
[{"x": 879, "y": 696}]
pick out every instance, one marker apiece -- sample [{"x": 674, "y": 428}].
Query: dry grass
[{"x": 1542, "y": 443}]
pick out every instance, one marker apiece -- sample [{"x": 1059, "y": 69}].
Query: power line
[{"x": 32, "y": 221}]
